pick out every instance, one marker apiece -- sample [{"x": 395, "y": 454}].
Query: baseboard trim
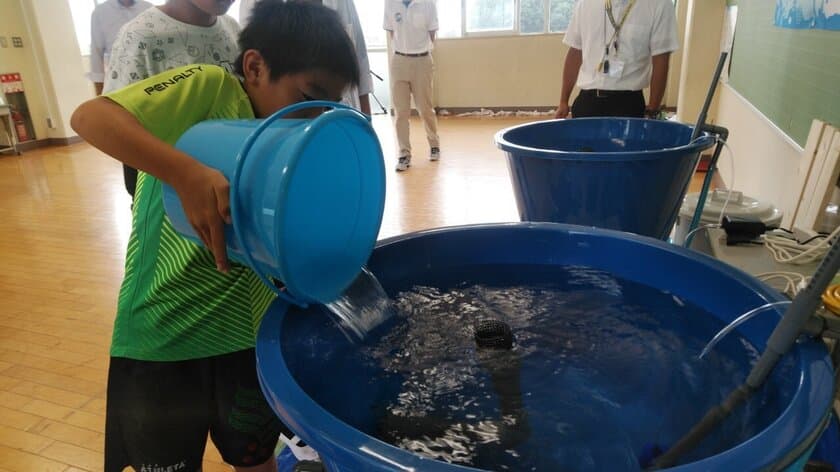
[
  {"x": 42, "y": 143},
  {"x": 459, "y": 110},
  {"x": 32, "y": 145},
  {"x": 65, "y": 141}
]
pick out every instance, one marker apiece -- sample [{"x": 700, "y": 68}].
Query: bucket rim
[
  {"x": 292, "y": 404},
  {"x": 311, "y": 128},
  {"x": 701, "y": 143}
]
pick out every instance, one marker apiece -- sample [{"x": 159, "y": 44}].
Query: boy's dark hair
[{"x": 298, "y": 36}]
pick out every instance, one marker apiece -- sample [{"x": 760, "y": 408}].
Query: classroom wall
[
  {"x": 62, "y": 61},
  {"x": 13, "y": 23},
  {"x": 50, "y": 61},
  {"x": 499, "y": 71},
  {"x": 779, "y": 84},
  {"x": 672, "y": 91},
  {"x": 700, "y": 54},
  {"x": 766, "y": 159},
  {"x": 511, "y": 71},
  {"x": 526, "y": 71}
]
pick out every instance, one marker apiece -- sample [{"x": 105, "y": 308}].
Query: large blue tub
[
  {"x": 432, "y": 258},
  {"x": 627, "y": 174}
]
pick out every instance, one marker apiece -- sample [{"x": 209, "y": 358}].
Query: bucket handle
[
  {"x": 237, "y": 173},
  {"x": 704, "y": 139}
]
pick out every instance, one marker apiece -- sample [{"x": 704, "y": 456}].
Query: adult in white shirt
[
  {"x": 617, "y": 48},
  {"x": 356, "y": 97},
  {"x": 179, "y": 33},
  {"x": 412, "y": 25},
  {"x": 105, "y": 22}
]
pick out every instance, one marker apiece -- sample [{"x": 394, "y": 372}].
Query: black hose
[{"x": 792, "y": 324}]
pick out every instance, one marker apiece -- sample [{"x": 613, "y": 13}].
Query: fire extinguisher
[{"x": 20, "y": 126}]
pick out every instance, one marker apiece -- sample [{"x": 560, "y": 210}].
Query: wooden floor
[{"x": 64, "y": 225}]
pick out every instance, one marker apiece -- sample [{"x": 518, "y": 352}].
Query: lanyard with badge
[{"x": 615, "y": 67}]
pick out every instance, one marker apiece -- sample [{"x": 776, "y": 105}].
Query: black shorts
[
  {"x": 624, "y": 103},
  {"x": 158, "y": 414}
]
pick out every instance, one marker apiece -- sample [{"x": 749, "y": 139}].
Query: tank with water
[
  {"x": 607, "y": 327},
  {"x": 600, "y": 366}
]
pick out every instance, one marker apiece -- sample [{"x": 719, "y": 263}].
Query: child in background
[
  {"x": 182, "y": 354},
  {"x": 105, "y": 23},
  {"x": 179, "y": 33}
]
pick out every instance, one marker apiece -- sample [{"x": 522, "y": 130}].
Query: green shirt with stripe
[{"x": 174, "y": 304}]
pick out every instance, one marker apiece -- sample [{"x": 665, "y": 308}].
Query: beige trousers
[{"x": 413, "y": 76}]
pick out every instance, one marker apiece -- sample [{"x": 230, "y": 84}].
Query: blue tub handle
[{"x": 237, "y": 173}]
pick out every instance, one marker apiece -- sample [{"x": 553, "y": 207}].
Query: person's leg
[
  {"x": 635, "y": 105},
  {"x": 130, "y": 177},
  {"x": 624, "y": 104},
  {"x": 245, "y": 429},
  {"x": 401, "y": 98},
  {"x": 422, "y": 88},
  {"x": 585, "y": 105},
  {"x": 157, "y": 415}
]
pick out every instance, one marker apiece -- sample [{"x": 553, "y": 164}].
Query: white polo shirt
[
  {"x": 650, "y": 30},
  {"x": 105, "y": 22},
  {"x": 411, "y": 24}
]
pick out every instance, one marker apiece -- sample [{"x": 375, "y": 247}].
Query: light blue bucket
[{"x": 306, "y": 196}]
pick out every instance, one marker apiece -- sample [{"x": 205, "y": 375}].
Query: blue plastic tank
[
  {"x": 627, "y": 174},
  {"x": 432, "y": 257}
]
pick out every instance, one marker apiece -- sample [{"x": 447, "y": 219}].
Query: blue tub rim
[
  {"x": 699, "y": 144},
  {"x": 291, "y": 397}
]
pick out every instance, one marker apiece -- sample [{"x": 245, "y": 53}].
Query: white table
[{"x": 750, "y": 258}]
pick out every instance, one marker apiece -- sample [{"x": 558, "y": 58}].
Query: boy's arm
[
  {"x": 571, "y": 70},
  {"x": 204, "y": 192},
  {"x": 433, "y": 22}
]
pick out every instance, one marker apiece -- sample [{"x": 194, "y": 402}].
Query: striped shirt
[{"x": 174, "y": 304}]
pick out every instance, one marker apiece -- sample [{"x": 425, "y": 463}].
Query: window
[
  {"x": 449, "y": 18},
  {"x": 531, "y": 16},
  {"x": 560, "y": 14},
  {"x": 489, "y": 15},
  {"x": 371, "y": 13},
  {"x": 485, "y": 17}
]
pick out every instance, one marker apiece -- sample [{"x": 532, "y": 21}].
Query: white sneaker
[
  {"x": 434, "y": 155},
  {"x": 301, "y": 452},
  {"x": 403, "y": 163}
]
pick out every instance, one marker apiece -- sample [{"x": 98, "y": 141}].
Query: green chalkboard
[{"x": 791, "y": 75}]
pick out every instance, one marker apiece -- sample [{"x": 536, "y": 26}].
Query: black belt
[
  {"x": 608, "y": 93},
  {"x": 420, "y": 54}
]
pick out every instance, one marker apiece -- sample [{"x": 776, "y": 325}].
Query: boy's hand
[
  {"x": 562, "y": 111},
  {"x": 205, "y": 196},
  {"x": 204, "y": 192}
]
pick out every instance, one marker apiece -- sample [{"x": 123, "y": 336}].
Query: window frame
[{"x": 514, "y": 31}]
